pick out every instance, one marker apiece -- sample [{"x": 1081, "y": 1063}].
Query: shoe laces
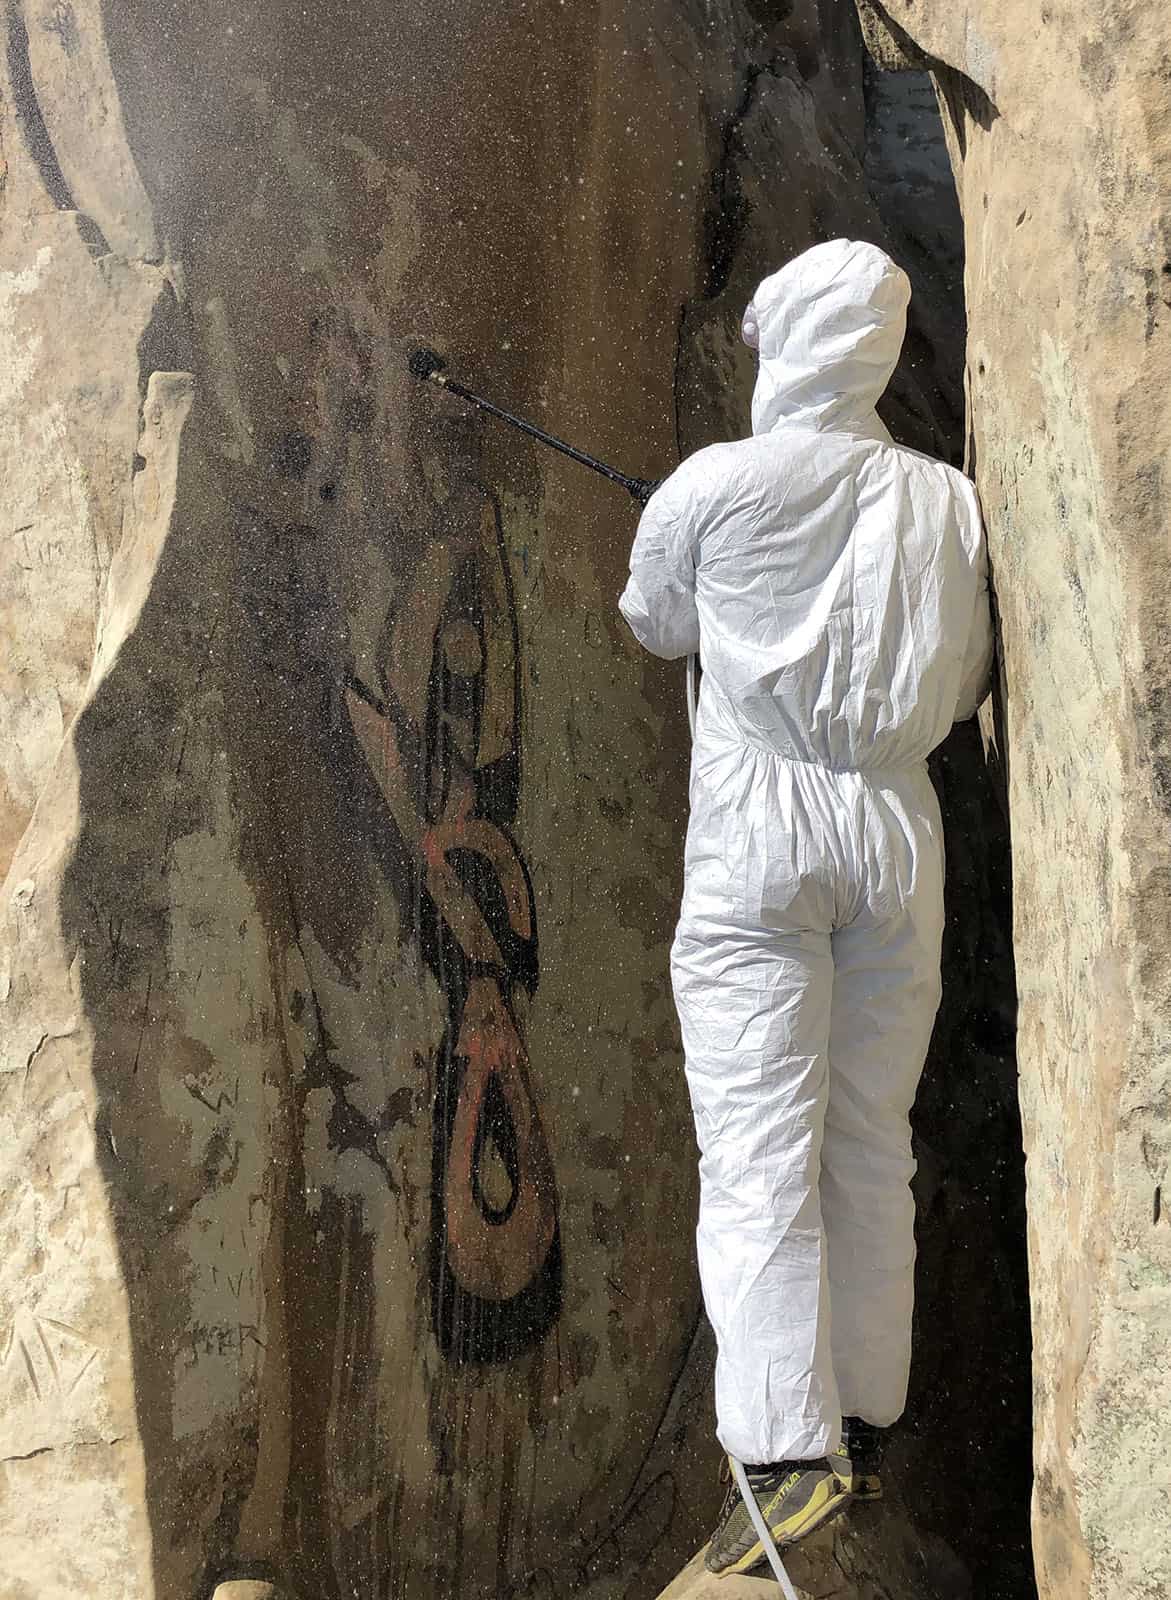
[{"x": 764, "y": 1480}]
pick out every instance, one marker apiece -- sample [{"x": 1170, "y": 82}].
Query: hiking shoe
[
  {"x": 794, "y": 1497},
  {"x": 858, "y": 1459}
]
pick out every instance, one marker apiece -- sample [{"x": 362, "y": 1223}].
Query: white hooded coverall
[{"x": 835, "y": 587}]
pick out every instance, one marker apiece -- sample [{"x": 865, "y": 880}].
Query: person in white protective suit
[{"x": 835, "y": 586}]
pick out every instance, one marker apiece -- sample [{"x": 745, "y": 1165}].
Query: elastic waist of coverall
[{"x": 716, "y": 721}]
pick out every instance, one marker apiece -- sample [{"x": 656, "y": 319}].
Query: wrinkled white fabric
[{"x": 835, "y": 586}]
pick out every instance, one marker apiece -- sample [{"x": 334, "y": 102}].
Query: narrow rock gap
[
  {"x": 727, "y": 213},
  {"x": 971, "y": 1383}
]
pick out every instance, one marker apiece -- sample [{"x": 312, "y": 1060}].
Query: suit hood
[{"x": 828, "y": 328}]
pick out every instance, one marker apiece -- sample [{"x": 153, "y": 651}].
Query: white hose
[{"x": 758, "y": 1522}]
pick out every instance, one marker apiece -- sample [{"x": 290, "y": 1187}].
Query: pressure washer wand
[{"x": 429, "y": 364}]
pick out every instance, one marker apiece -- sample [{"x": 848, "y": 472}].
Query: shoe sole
[{"x": 828, "y": 1501}]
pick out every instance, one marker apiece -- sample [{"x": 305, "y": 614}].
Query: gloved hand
[{"x": 642, "y": 488}]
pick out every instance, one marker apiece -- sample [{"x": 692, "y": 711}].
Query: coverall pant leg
[
  {"x": 804, "y": 1046},
  {"x": 885, "y": 996},
  {"x": 754, "y": 1007}
]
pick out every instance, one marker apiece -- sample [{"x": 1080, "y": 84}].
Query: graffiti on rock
[{"x": 442, "y": 737}]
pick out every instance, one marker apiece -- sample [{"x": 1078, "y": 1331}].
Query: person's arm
[
  {"x": 659, "y": 600},
  {"x": 976, "y": 677}
]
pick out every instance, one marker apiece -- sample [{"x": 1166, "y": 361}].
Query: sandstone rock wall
[
  {"x": 1058, "y": 124},
  {"x": 346, "y": 1176}
]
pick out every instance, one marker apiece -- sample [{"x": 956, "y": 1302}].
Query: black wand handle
[{"x": 428, "y": 365}]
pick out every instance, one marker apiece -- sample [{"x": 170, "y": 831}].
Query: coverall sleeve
[
  {"x": 659, "y": 600},
  {"x": 976, "y": 678}
]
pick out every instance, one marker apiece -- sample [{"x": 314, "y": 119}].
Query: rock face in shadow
[
  {"x": 1058, "y": 128},
  {"x": 347, "y": 1183}
]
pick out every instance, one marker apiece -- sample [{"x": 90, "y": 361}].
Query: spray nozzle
[{"x": 426, "y": 363}]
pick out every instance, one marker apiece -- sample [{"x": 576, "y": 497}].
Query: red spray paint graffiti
[{"x": 444, "y": 746}]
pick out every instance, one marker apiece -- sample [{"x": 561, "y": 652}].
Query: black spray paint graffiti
[{"x": 444, "y": 746}]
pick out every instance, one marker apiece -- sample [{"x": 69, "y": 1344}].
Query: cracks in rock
[
  {"x": 28, "y": 1455},
  {"x": 69, "y": 1444},
  {"x": 46, "y": 1038},
  {"x": 29, "y": 119},
  {"x": 171, "y": 833},
  {"x": 34, "y": 1053},
  {"x": 144, "y": 1021},
  {"x": 348, "y": 1128},
  {"x": 31, "y": 122},
  {"x": 223, "y": 1100},
  {"x": 677, "y": 380},
  {"x": 727, "y": 213}
]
